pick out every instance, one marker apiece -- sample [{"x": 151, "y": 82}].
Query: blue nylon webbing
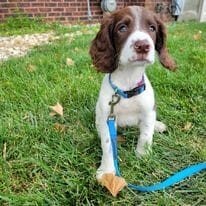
[
  {"x": 187, "y": 172},
  {"x": 127, "y": 94},
  {"x": 113, "y": 137}
]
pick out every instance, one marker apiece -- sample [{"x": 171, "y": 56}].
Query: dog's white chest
[{"x": 127, "y": 112}]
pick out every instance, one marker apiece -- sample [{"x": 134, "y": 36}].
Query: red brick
[
  {"x": 75, "y": 4},
  {"x": 8, "y": 5},
  {"x": 68, "y": 10},
  {"x": 83, "y": 18},
  {"x": 45, "y": 10},
  {"x": 67, "y": 14},
  {"x": 57, "y": 9},
  {"x": 32, "y": 10},
  {"x": 10, "y": 15},
  {"x": 37, "y": 4},
  {"x": 54, "y": 14},
  {"x": 3, "y": 11},
  {"x": 63, "y": 5},
  {"x": 60, "y": 18},
  {"x": 40, "y": 14},
  {"x": 50, "y": 4},
  {"x": 16, "y": 1},
  {"x": 25, "y": 4}
]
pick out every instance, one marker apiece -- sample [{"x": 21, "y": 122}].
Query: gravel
[{"x": 15, "y": 46}]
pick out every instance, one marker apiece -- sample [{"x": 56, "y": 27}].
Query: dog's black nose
[{"x": 142, "y": 46}]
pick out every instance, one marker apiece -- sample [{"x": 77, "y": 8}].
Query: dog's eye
[
  {"x": 152, "y": 28},
  {"x": 122, "y": 28}
]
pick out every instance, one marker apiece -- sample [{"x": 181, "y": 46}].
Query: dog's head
[{"x": 130, "y": 36}]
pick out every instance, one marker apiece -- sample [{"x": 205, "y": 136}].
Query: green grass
[
  {"x": 46, "y": 167},
  {"x": 21, "y": 24}
]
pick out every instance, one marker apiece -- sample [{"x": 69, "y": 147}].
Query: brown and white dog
[{"x": 123, "y": 47}]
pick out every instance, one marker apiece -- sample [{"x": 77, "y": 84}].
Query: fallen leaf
[
  {"x": 31, "y": 68},
  {"x": 113, "y": 183},
  {"x": 194, "y": 109},
  {"x": 121, "y": 139},
  {"x": 92, "y": 66},
  {"x": 187, "y": 126},
  {"x": 91, "y": 78},
  {"x": 56, "y": 109},
  {"x": 69, "y": 62},
  {"x": 78, "y": 33},
  {"x": 76, "y": 49},
  {"x": 197, "y": 36},
  {"x": 4, "y": 151},
  {"x": 70, "y": 39},
  {"x": 52, "y": 114},
  {"x": 60, "y": 127}
]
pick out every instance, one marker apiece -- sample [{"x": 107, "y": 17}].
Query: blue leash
[{"x": 187, "y": 172}]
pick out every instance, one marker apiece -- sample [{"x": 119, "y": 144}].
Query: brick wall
[{"x": 68, "y": 11}]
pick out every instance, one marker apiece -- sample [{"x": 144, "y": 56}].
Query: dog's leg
[
  {"x": 147, "y": 124},
  {"x": 107, "y": 164}
]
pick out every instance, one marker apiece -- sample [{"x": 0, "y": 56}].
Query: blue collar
[{"x": 128, "y": 94}]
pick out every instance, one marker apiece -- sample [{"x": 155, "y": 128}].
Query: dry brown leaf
[
  {"x": 197, "y": 36},
  {"x": 56, "y": 109},
  {"x": 121, "y": 138},
  {"x": 76, "y": 49},
  {"x": 69, "y": 62},
  {"x": 31, "y": 68},
  {"x": 194, "y": 109},
  {"x": 92, "y": 66},
  {"x": 70, "y": 39},
  {"x": 60, "y": 127},
  {"x": 91, "y": 78},
  {"x": 113, "y": 183},
  {"x": 187, "y": 126},
  {"x": 52, "y": 114}
]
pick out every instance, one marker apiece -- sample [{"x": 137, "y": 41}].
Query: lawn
[{"x": 45, "y": 165}]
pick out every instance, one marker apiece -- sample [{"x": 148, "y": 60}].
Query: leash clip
[{"x": 115, "y": 99}]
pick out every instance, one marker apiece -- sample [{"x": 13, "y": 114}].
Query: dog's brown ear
[
  {"x": 161, "y": 46},
  {"x": 102, "y": 50}
]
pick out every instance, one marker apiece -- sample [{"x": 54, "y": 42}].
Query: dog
[{"x": 123, "y": 47}]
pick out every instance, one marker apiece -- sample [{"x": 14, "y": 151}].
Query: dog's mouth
[{"x": 140, "y": 60}]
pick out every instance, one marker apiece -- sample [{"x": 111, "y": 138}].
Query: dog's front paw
[
  {"x": 104, "y": 170},
  {"x": 142, "y": 150}
]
